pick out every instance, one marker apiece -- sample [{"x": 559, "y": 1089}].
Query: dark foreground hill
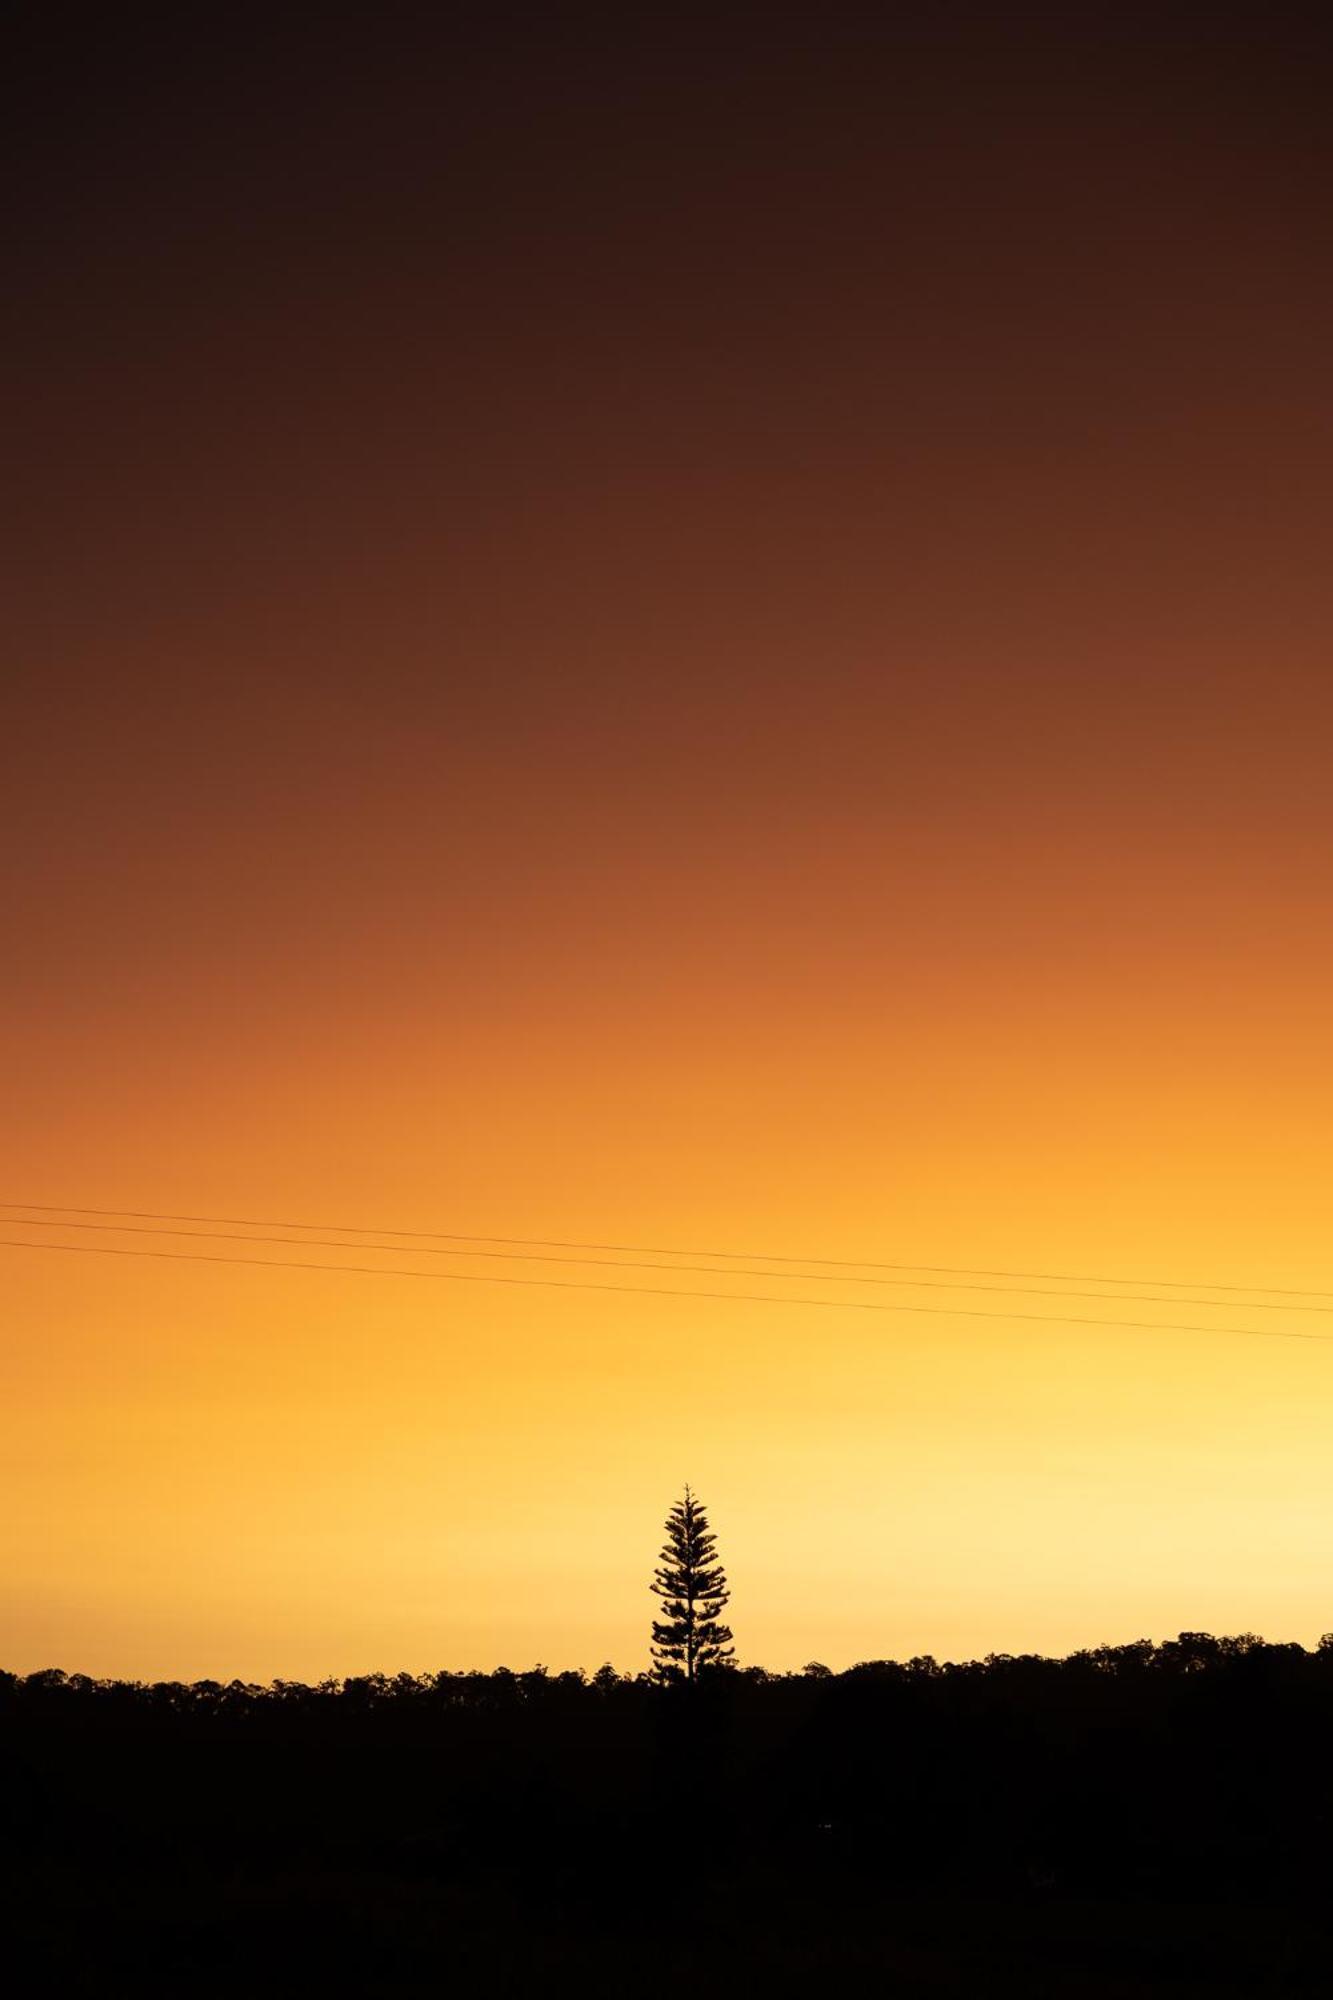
[{"x": 1134, "y": 1820}]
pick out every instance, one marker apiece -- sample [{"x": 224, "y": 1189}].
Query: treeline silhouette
[{"x": 1143, "y": 1803}]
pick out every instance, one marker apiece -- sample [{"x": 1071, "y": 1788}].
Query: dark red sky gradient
[
  {"x": 504, "y": 388},
  {"x": 673, "y": 631},
  {"x": 441, "y": 460}
]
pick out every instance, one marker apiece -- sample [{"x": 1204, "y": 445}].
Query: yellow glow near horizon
[{"x": 214, "y": 1471}]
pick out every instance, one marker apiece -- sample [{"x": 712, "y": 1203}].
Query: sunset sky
[{"x": 708, "y": 641}]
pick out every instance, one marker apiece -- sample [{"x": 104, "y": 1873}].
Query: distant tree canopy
[
  {"x": 689, "y": 1638},
  {"x": 380, "y": 1821}
]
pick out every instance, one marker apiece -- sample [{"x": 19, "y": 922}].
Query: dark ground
[{"x": 1139, "y": 1821}]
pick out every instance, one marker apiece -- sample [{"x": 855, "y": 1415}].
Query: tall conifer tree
[{"x": 689, "y": 1637}]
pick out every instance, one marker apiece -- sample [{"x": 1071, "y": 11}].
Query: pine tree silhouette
[{"x": 688, "y": 1638}]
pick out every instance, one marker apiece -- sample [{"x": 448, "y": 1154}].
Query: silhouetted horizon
[
  {"x": 1141, "y": 1647},
  {"x": 1128, "y": 1809}
]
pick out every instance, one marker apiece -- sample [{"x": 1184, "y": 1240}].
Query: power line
[
  {"x": 691, "y": 1270},
  {"x": 655, "y": 1291},
  {"x": 659, "y": 1250}
]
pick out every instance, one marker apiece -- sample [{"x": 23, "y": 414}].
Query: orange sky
[{"x": 714, "y": 648}]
